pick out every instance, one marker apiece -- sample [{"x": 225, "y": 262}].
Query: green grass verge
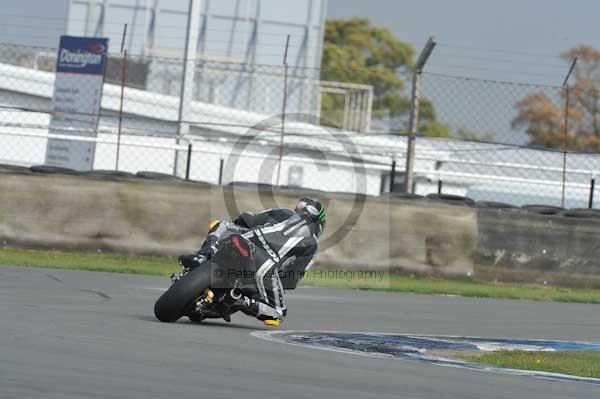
[
  {"x": 119, "y": 263},
  {"x": 467, "y": 288},
  {"x": 101, "y": 261},
  {"x": 583, "y": 364}
]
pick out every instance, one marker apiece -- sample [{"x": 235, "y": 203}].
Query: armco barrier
[{"x": 171, "y": 217}]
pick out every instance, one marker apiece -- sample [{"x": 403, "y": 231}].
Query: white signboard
[{"x": 76, "y": 101}]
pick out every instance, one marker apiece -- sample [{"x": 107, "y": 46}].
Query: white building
[{"x": 313, "y": 158}]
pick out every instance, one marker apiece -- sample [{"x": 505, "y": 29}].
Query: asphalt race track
[{"x": 75, "y": 334}]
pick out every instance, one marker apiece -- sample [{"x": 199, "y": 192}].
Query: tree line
[{"x": 356, "y": 51}]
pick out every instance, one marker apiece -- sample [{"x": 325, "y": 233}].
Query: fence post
[
  {"x": 221, "y": 171},
  {"x": 566, "y": 131},
  {"x": 565, "y": 146},
  {"x": 187, "y": 73},
  {"x": 414, "y": 114},
  {"x": 189, "y": 162},
  {"x": 591, "y": 201},
  {"x": 123, "y": 81},
  {"x": 392, "y": 176},
  {"x": 283, "y": 106}
]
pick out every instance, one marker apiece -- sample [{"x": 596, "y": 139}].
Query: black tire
[
  {"x": 581, "y": 213},
  {"x": 495, "y": 205},
  {"x": 451, "y": 199},
  {"x": 291, "y": 188},
  {"x": 156, "y": 176},
  {"x": 407, "y": 196},
  {"x": 543, "y": 209},
  {"x": 174, "y": 303},
  {"x": 109, "y": 174},
  {"x": 53, "y": 170},
  {"x": 14, "y": 168},
  {"x": 252, "y": 185}
]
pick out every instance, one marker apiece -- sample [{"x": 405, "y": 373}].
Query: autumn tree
[
  {"x": 355, "y": 51},
  {"x": 463, "y": 133},
  {"x": 544, "y": 119}
]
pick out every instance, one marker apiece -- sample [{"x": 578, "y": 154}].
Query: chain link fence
[
  {"x": 234, "y": 128},
  {"x": 512, "y": 142},
  {"x": 285, "y": 126}
]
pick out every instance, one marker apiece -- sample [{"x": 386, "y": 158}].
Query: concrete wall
[
  {"x": 520, "y": 241},
  {"x": 170, "y": 218}
]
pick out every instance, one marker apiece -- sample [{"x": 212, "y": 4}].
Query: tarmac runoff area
[{"x": 77, "y": 334}]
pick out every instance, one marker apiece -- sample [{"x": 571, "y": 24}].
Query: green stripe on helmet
[{"x": 323, "y": 214}]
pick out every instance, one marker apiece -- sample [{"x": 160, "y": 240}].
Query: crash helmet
[{"x": 314, "y": 211}]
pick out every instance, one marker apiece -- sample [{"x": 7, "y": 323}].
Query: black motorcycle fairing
[{"x": 233, "y": 264}]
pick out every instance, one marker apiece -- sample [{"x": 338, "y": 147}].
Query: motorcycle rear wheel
[{"x": 182, "y": 294}]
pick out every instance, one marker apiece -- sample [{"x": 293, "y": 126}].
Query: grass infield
[
  {"x": 583, "y": 364},
  {"x": 381, "y": 281}
]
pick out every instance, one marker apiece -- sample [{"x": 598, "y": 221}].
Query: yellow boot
[{"x": 272, "y": 322}]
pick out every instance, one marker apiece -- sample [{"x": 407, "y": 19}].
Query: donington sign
[{"x": 76, "y": 101}]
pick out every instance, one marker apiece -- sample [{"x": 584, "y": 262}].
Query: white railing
[{"x": 157, "y": 153}]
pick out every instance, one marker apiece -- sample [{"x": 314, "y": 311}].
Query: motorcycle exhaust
[{"x": 233, "y": 296}]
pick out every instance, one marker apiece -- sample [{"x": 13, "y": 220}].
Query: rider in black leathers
[{"x": 285, "y": 244}]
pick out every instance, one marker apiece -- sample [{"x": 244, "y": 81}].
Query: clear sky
[
  {"x": 507, "y": 40},
  {"x": 517, "y": 40},
  {"x": 32, "y": 22}
]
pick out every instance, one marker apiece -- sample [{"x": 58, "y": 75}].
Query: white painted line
[{"x": 490, "y": 344}]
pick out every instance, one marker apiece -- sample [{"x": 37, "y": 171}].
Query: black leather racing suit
[{"x": 285, "y": 247}]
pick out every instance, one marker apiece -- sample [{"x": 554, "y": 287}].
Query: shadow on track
[{"x": 204, "y": 323}]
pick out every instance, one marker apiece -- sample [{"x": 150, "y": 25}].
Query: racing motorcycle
[{"x": 210, "y": 290}]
